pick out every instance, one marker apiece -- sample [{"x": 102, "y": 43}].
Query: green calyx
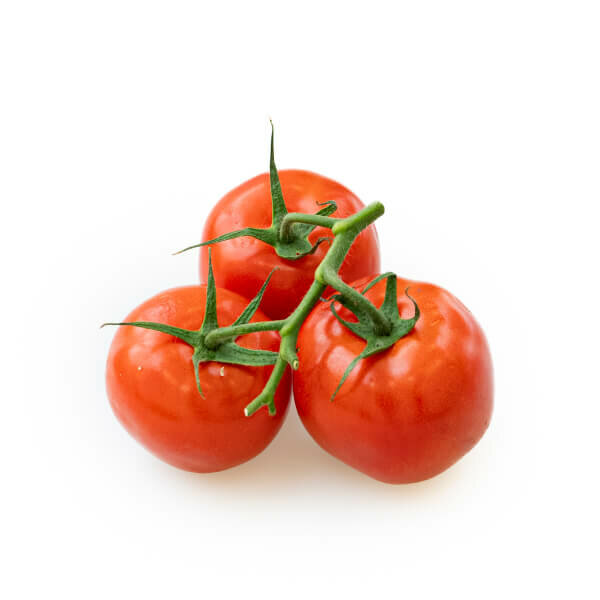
[
  {"x": 367, "y": 329},
  {"x": 289, "y": 239},
  {"x": 225, "y": 350}
]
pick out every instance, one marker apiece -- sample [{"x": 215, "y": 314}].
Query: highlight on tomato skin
[
  {"x": 410, "y": 412},
  {"x": 242, "y": 264},
  {"x": 152, "y": 387}
]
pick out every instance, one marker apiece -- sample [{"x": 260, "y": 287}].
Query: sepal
[
  {"x": 227, "y": 352},
  {"x": 298, "y": 244},
  {"x": 364, "y": 327}
]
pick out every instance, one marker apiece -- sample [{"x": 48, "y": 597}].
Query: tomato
[
  {"x": 409, "y": 412},
  {"x": 152, "y": 387},
  {"x": 242, "y": 264}
]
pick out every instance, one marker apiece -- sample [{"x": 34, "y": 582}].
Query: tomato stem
[
  {"x": 267, "y": 396},
  {"x": 285, "y": 231},
  {"x": 361, "y": 219},
  {"x": 345, "y": 231},
  {"x": 218, "y": 336}
]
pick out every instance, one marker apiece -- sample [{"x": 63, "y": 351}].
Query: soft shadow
[{"x": 294, "y": 462}]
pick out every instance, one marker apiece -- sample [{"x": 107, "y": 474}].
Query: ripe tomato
[
  {"x": 152, "y": 388},
  {"x": 413, "y": 410},
  {"x": 242, "y": 264}
]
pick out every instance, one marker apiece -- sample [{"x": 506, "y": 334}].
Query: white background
[{"x": 476, "y": 123}]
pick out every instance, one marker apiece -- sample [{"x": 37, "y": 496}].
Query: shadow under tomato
[{"x": 294, "y": 462}]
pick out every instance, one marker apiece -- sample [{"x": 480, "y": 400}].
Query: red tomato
[
  {"x": 413, "y": 410},
  {"x": 242, "y": 264},
  {"x": 152, "y": 388}
]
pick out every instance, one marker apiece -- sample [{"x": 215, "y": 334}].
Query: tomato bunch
[{"x": 393, "y": 377}]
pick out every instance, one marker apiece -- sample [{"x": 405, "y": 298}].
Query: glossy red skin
[
  {"x": 243, "y": 264},
  {"x": 410, "y": 412},
  {"x": 152, "y": 389}
]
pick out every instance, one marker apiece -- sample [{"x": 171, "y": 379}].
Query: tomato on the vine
[
  {"x": 409, "y": 412},
  {"x": 153, "y": 391},
  {"x": 398, "y": 386},
  {"x": 242, "y": 264}
]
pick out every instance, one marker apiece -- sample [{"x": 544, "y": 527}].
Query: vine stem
[
  {"x": 218, "y": 336},
  {"x": 345, "y": 232},
  {"x": 285, "y": 231},
  {"x": 267, "y": 396}
]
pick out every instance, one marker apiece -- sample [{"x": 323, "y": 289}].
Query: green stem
[
  {"x": 362, "y": 219},
  {"x": 326, "y": 274},
  {"x": 218, "y": 336},
  {"x": 289, "y": 332},
  {"x": 287, "y": 348},
  {"x": 285, "y": 232},
  {"x": 267, "y": 396}
]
